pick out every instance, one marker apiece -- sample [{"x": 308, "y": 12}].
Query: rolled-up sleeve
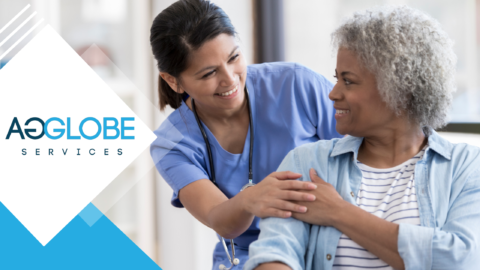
[
  {"x": 281, "y": 240},
  {"x": 455, "y": 245},
  {"x": 176, "y": 159}
]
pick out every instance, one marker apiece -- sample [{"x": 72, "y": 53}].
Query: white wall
[{"x": 308, "y": 24}]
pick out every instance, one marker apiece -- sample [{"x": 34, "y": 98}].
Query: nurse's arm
[
  {"x": 272, "y": 197},
  {"x": 206, "y": 202}
]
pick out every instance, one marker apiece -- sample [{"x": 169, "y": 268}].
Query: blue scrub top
[{"x": 290, "y": 107}]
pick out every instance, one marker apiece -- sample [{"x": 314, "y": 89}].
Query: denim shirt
[{"x": 447, "y": 180}]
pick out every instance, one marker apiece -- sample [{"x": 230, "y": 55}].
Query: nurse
[{"x": 249, "y": 115}]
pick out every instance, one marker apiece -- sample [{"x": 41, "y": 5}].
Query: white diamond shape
[{"x": 48, "y": 79}]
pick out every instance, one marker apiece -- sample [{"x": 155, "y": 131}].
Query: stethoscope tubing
[
  {"x": 207, "y": 143},
  {"x": 233, "y": 261}
]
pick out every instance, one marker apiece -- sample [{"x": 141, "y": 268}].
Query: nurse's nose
[{"x": 228, "y": 78}]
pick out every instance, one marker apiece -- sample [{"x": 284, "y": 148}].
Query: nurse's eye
[
  {"x": 208, "y": 74},
  {"x": 233, "y": 58}
]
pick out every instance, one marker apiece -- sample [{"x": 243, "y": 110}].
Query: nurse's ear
[{"x": 172, "y": 82}]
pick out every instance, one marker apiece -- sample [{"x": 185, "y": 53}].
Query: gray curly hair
[{"x": 411, "y": 57}]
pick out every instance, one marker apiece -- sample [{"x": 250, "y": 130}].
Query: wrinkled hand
[
  {"x": 274, "y": 196},
  {"x": 328, "y": 204}
]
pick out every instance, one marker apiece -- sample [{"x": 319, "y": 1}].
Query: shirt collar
[
  {"x": 435, "y": 142},
  {"x": 440, "y": 145},
  {"x": 347, "y": 144}
]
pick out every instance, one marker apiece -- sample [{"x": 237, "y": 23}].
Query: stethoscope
[{"x": 233, "y": 261}]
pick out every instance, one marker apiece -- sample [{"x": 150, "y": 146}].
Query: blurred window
[{"x": 309, "y": 23}]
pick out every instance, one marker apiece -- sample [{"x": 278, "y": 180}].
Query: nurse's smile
[
  {"x": 232, "y": 126},
  {"x": 228, "y": 94}
]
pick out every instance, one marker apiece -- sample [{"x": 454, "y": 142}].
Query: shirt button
[
  {"x": 329, "y": 257},
  {"x": 353, "y": 194}
]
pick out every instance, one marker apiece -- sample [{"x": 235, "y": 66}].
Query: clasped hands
[
  {"x": 315, "y": 202},
  {"x": 326, "y": 207}
]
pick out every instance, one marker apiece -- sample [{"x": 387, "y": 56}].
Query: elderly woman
[{"x": 392, "y": 194}]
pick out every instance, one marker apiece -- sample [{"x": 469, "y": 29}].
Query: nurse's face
[
  {"x": 216, "y": 74},
  {"x": 360, "y": 110}
]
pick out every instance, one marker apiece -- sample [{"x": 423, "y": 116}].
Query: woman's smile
[
  {"x": 339, "y": 114},
  {"x": 230, "y": 94}
]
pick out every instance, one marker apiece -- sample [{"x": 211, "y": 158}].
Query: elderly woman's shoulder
[
  {"x": 321, "y": 148},
  {"x": 465, "y": 151},
  {"x": 461, "y": 155}
]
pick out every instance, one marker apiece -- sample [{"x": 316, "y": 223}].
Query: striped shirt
[{"x": 388, "y": 194}]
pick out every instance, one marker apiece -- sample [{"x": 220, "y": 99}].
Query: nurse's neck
[
  {"x": 230, "y": 127},
  {"x": 214, "y": 115}
]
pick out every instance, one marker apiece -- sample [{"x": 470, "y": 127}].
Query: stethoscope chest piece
[
  {"x": 236, "y": 261},
  {"x": 247, "y": 185}
]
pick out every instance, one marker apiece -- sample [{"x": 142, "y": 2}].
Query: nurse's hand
[
  {"x": 325, "y": 209},
  {"x": 273, "y": 196}
]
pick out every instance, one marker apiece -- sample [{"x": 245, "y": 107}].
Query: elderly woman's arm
[
  {"x": 453, "y": 245},
  {"x": 273, "y": 266},
  {"x": 369, "y": 231},
  {"x": 406, "y": 246},
  {"x": 282, "y": 242}
]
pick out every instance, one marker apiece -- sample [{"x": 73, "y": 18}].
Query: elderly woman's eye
[
  {"x": 336, "y": 78},
  {"x": 347, "y": 82}
]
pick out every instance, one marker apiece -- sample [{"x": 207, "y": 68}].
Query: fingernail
[
  {"x": 314, "y": 172},
  {"x": 313, "y": 186},
  {"x": 288, "y": 214},
  {"x": 311, "y": 197},
  {"x": 303, "y": 209}
]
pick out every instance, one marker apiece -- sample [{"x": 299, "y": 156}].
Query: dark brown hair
[{"x": 178, "y": 30}]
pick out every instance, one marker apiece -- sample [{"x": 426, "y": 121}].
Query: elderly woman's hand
[{"x": 326, "y": 207}]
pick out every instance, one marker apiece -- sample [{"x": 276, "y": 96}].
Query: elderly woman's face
[{"x": 360, "y": 110}]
